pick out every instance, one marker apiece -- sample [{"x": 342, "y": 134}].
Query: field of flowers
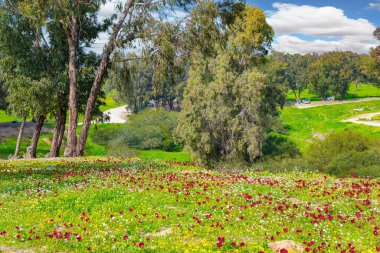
[{"x": 117, "y": 205}]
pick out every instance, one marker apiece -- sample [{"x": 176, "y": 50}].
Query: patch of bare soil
[
  {"x": 11, "y": 129},
  {"x": 4, "y": 249}
]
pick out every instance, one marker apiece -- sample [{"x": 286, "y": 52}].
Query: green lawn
[
  {"x": 120, "y": 205},
  {"x": 300, "y": 123},
  {"x": 363, "y": 91}
]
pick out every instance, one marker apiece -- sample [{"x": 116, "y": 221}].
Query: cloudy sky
[{"x": 306, "y": 26}]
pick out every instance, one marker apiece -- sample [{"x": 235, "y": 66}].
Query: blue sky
[
  {"x": 352, "y": 8},
  {"x": 308, "y": 26},
  {"x": 305, "y": 26}
]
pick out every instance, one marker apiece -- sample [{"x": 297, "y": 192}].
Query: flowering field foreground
[{"x": 112, "y": 205}]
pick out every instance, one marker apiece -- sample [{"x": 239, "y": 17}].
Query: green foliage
[
  {"x": 302, "y": 123},
  {"x": 355, "y": 90},
  {"x": 278, "y": 146},
  {"x": 365, "y": 163},
  {"x": 346, "y": 153},
  {"x": 333, "y": 72},
  {"x": 132, "y": 79},
  {"x": 149, "y": 129},
  {"x": 322, "y": 152},
  {"x": 371, "y": 66},
  {"x": 290, "y": 70},
  {"x": 228, "y": 106}
]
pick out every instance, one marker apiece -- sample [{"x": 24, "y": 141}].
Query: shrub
[
  {"x": 278, "y": 146},
  {"x": 366, "y": 163},
  {"x": 148, "y": 129},
  {"x": 322, "y": 152}
]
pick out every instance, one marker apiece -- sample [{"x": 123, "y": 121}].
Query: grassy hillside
[
  {"x": 113, "y": 205},
  {"x": 301, "y": 123}
]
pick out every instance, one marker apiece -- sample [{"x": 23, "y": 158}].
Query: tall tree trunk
[
  {"x": 101, "y": 71},
  {"x": 171, "y": 104},
  {"x": 19, "y": 137},
  {"x": 72, "y": 39},
  {"x": 59, "y": 129},
  {"x": 32, "y": 149}
]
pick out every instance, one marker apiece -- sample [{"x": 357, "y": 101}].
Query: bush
[
  {"x": 366, "y": 163},
  {"x": 148, "y": 129},
  {"x": 278, "y": 147},
  {"x": 322, "y": 152}
]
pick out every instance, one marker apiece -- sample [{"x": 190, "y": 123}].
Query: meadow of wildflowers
[{"x": 122, "y": 205}]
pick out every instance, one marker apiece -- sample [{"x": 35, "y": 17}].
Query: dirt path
[
  {"x": 323, "y": 103},
  {"x": 118, "y": 115},
  {"x": 11, "y": 129},
  {"x": 357, "y": 119}
]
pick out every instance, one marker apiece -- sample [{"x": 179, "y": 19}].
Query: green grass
[
  {"x": 363, "y": 91},
  {"x": 300, "y": 123},
  {"x": 5, "y": 117},
  {"x": 165, "y": 156},
  {"x": 120, "y": 205},
  {"x": 8, "y": 145},
  {"x": 110, "y": 102}
]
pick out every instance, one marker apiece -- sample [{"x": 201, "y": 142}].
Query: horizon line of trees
[{"x": 325, "y": 74}]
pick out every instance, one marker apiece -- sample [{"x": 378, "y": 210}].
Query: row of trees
[
  {"x": 34, "y": 72},
  {"x": 325, "y": 74},
  {"x": 46, "y": 69}
]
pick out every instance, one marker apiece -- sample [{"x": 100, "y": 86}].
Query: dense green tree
[
  {"x": 333, "y": 72},
  {"x": 371, "y": 63},
  {"x": 290, "y": 70},
  {"x": 131, "y": 76},
  {"x": 158, "y": 73},
  {"x": 22, "y": 47},
  {"x": 3, "y": 95},
  {"x": 228, "y": 106}
]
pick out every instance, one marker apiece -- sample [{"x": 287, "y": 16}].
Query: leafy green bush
[
  {"x": 323, "y": 152},
  {"x": 148, "y": 129},
  {"x": 278, "y": 146},
  {"x": 366, "y": 163}
]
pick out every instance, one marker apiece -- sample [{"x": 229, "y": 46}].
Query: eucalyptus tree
[
  {"x": 228, "y": 104},
  {"x": 29, "y": 54},
  {"x": 158, "y": 72},
  {"x": 133, "y": 17},
  {"x": 21, "y": 49},
  {"x": 131, "y": 76},
  {"x": 333, "y": 72}
]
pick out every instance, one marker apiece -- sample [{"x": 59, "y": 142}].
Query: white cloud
[
  {"x": 107, "y": 10},
  {"x": 375, "y": 6},
  {"x": 293, "y": 44},
  {"x": 339, "y": 31}
]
